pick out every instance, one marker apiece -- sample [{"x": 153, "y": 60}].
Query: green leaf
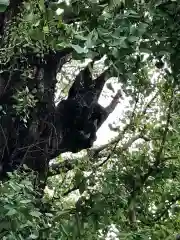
[
  {"x": 65, "y": 229},
  {"x": 29, "y": 17},
  {"x": 36, "y": 34},
  {"x": 122, "y": 42},
  {"x": 41, "y": 5},
  {"x": 25, "y": 201},
  {"x": 142, "y": 28},
  {"x": 116, "y": 3},
  {"x": 79, "y": 176},
  {"x": 61, "y": 215},
  {"x": 46, "y": 29},
  {"x": 33, "y": 236},
  {"x": 133, "y": 39},
  {"x": 2, "y": 8},
  {"x": 91, "y": 39},
  {"x": 4, "y": 2},
  {"x": 5, "y": 225},
  {"x": 145, "y": 50},
  {"x": 3, "y": 5},
  {"x": 11, "y": 212},
  {"x": 80, "y": 37},
  {"x": 49, "y": 214},
  {"x": 35, "y": 214},
  {"x": 104, "y": 32},
  {"x": 79, "y": 49}
]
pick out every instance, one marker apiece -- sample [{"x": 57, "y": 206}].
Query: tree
[
  {"x": 132, "y": 182},
  {"x": 36, "y": 44}
]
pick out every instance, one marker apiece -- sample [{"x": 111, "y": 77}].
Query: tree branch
[
  {"x": 137, "y": 187},
  {"x": 124, "y": 147}
]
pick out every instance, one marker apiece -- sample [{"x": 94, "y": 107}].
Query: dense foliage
[{"x": 125, "y": 189}]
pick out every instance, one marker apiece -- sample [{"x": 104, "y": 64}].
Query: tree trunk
[{"x": 35, "y": 139}]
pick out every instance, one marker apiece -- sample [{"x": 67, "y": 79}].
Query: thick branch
[
  {"x": 123, "y": 148},
  {"x": 68, "y": 165},
  {"x": 121, "y": 135},
  {"x": 111, "y": 107}
]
